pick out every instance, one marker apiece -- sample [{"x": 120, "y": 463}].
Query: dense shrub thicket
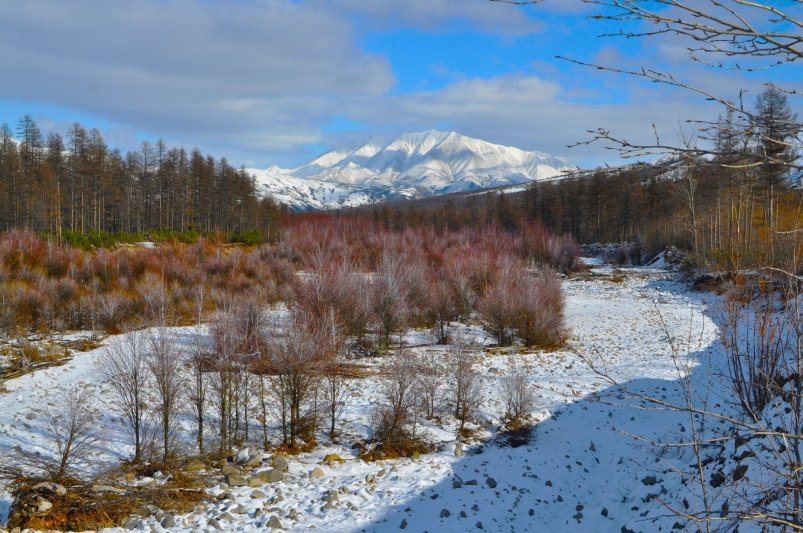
[
  {"x": 47, "y": 287},
  {"x": 375, "y": 281}
]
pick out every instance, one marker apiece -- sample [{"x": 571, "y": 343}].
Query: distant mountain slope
[{"x": 412, "y": 165}]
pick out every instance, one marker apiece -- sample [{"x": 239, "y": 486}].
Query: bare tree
[
  {"x": 720, "y": 36},
  {"x": 165, "y": 365},
  {"x": 225, "y": 365},
  {"x": 263, "y": 395},
  {"x": 238, "y": 332},
  {"x": 297, "y": 358},
  {"x": 430, "y": 382},
  {"x": 155, "y": 297},
  {"x": 442, "y": 305},
  {"x": 336, "y": 392},
  {"x": 390, "y": 289},
  {"x": 518, "y": 392},
  {"x": 125, "y": 366},
  {"x": 71, "y": 430},
  {"x": 466, "y": 384},
  {"x": 392, "y": 417},
  {"x": 198, "y": 364}
]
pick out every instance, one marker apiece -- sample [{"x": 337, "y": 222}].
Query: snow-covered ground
[{"x": 589, "y": 467}]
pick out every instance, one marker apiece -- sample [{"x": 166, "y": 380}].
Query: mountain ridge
[{"x": 411, "y": 165}]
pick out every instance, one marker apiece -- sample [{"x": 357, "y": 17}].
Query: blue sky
[{"x": 276, "y": 82}]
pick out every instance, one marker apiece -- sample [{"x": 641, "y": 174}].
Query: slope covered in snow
[
  {"x": 583, "y": 470},
  {"x": 412, "y": 165}
]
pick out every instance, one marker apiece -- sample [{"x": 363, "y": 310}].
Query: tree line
[{"x": 54, "y": 184}]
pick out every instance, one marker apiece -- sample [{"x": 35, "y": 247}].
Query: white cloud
[
  {"x": 185, "y": 68},
  {"x": 257, "y": 80},
  {"x": 535, "y": 114}
]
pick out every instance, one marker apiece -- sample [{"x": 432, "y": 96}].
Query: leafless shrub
[
  {"x": 459, "y": 275},
  {"x": 497, "y": 307},
  {"x": 430, "y": 382},
  {"x": 441, "y": 305},
  {"x": 561, "y": 252},
  {"x": 538, "y": 309},
  {"x": 124, "y": 365},
  {"x": 154, "y": 295},
  {"x": 296, "y": 360},
  {"x": 466, "y": 384},
  {"x": 392, "y": 417},
  {"x": 518, "y": 393},
  {"x": 390, "y": 288},
  {"x": 111, "y": 309},
  {"x": 73, "y": 431},
  {"x": 754, "y": 335},
  {"x": 71, "y": 435},
  {"x": 336, "y": 392}
]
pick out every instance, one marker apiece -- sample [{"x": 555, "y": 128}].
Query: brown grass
[
  {"x": 401, "y": 449},
  {"x": 84, "y": 508}
]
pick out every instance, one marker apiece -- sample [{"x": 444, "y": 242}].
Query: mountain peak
[{"x": 413, "y": 164}]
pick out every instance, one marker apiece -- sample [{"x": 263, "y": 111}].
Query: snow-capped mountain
[{"x": 412, "y": 165}]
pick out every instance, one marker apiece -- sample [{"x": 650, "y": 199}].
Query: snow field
[{"x": 589, "y": 467}]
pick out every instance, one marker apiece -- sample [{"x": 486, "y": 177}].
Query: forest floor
[{"x": 598, "y": 459}]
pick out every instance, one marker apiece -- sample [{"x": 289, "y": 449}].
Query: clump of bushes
[
  {"x": 524, "y": 304},
  {"x": 47, "y": 287}
]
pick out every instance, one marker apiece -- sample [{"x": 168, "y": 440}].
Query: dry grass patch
[
  {"x": 102, "y": 504},
  {"x": 401, "y": 448}
]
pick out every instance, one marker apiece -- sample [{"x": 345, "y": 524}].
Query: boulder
[
  {"x": 274, "y": 523},
  {"x": 237, "y": 480},
  {"x": 317, "y": 473},
  {"x": 230, "y": 469},
  {"x": 168, "y": 521},
  {"x": 135, "y": 523},
  {"x": 246, "y": 454},
  {"x": 254, "y": 461},
  {"x": 280, "y": 463},
  {"x": 272, "y": 475}
]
